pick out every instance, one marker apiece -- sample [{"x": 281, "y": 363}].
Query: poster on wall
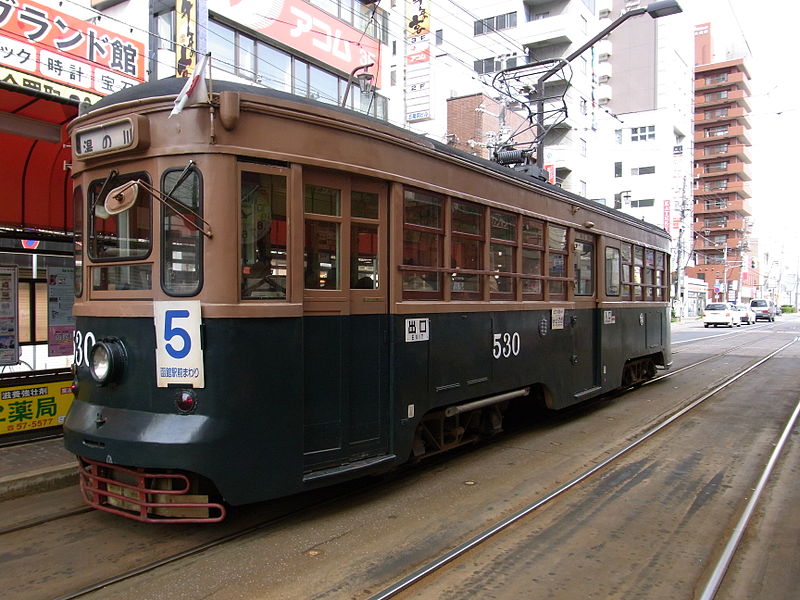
[
  {"x": 60, "y": 324},
  {"x": 9, "y": 333}
]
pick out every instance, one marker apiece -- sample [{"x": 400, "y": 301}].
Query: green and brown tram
[{"x": 274, "y": 294}]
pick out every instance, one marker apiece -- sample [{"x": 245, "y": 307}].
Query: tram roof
[{"x": 171, "y": 86}]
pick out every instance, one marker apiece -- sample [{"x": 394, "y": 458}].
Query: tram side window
[
  {"x": 263, "y": 223},
  {"x": 466, "y": 249},
  {"x": 423, "y": 243},
  {"x": 321, "y": 251},
  {"x": 649, "y": 266},
  {"x": 364, "y": 241},
  {"x": 638, "y": 266},
  {"x": 182, "y": 240},
  {"x": 557, "y": 261},
  {"x": 613, "y": 265},
  {"x": 660, "y": 281},
  {"x": 627, "y": 260},
  {"x": 532, "y": 251},
  {"x": 123, "y": 236},
  {"x": 584, "y": 268},
  {"x": 77, "y": 240},
  {"x": 502, "y": 252}
]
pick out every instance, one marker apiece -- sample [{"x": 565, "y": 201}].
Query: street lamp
[
  {"x": 661, "y": 8},
  {"x": 364, "y": 81}
]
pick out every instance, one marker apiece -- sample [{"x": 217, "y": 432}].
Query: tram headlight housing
[{"x": 107, "y": 361}]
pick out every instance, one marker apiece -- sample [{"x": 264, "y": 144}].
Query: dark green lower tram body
[{"x": 295, "y": 403}]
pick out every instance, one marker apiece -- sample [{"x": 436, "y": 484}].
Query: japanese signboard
[
  {"x": 300, "y": 25},
  {"x": 60, "y": 297},
  {"x": 36, "y": 406},
  {"x": 186, "y": 36},
  {"x": 9, "y": 333},
  {"x": 50, "y": 51},
  {"x": 418, "y": 61}
]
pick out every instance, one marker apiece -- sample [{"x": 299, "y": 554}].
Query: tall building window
[
  {"x": 496, "y": 23},
  {"x": 641, "y": 134}
]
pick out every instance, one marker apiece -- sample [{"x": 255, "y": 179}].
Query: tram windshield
[{"x": 123, "y": 236}]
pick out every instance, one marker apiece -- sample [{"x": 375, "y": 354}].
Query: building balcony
[
  {"x": 734, "y": 113},
  {"x": 721, "y": 206},
  {"x": 735, "y": 132},
  {"x": 713, "y": 100},
  {"x": 729, "y": 225},
  {"x": 739, "y": 169},
  {"x": 704, "y": 82},
  {"x": 740, "y": 188},
  {"x": 732, "y": 243},
  {"x": 558, "y": 29},
  {"x": 708, "y": 151}
]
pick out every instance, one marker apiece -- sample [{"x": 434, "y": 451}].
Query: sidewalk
[{"x": 36, "y": 467}]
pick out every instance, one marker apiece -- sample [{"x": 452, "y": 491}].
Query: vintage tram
[{"x": 274, "y": 294}]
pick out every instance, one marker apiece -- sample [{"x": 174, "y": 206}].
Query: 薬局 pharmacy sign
[{"x": 54, "y": 53}]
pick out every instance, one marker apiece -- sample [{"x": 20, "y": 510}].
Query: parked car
[
  {"x": 764, "y": 309},
  {"x": 778, "y": 310},
  {"x": 746, "y": 314},
  {"x": 719, "y": 313}
]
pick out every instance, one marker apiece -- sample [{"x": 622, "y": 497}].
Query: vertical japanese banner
[
  {"x": 60, "y": 297},
  {"x": 186, "y": 37},
  {"x": 9, "y": 328},
  {"x": 418, "y": 61}
]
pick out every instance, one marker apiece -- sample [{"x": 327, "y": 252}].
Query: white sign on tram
[{"x": 179, "y": 352}]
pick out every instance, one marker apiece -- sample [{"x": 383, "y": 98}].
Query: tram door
[
  {"x": 583, "y": 323},
  {"x": 345, "y": 322}
]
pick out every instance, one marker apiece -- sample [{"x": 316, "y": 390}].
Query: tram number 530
[{"x": 506, "y": 344}]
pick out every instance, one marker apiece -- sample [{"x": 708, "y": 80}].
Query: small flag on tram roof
[{"x": 195, "y": 89}]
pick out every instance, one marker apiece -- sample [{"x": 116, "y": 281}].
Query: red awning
[{"x": 35, "y": 189}]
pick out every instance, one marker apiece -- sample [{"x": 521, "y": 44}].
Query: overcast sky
[{"x": 765, "y": 34}]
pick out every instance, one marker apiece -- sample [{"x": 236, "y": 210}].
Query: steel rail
[
  {"x": 444, "y": 559},
  {"x": 715, "y": 579}
]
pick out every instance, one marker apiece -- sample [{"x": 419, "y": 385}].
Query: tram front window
[{"x": 122, "y": 236}]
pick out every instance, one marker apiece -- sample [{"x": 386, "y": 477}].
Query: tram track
[
  {"x": 268, "y": 525},
  {"x": 419, "y": 575}
]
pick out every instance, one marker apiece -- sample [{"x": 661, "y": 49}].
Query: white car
[
  {"x": 719, "y": 313},
  {"x": 746, "y": 314}
]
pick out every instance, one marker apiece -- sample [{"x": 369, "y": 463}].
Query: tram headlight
[{"x": 106, "y": 361}]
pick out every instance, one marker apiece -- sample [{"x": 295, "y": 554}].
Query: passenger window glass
[
  {"x": 263, "y": 236},
  {"x": 466, "y": 249},
  {"x": 364, "y": 205},
  {"x": 612, "y": 271},
  {"x": 504, "y": 226},
  {"x": 182, "y": 240},
  {"x": 584, "y": 268},
  {"x": 321, "y": 255},
  {"x": 125, "y": 235},
  {"x": 532, "y": 265},
  {"x": 322, "y": 200},
  {"x": 364, "y": 256},
  {"x": 423, "y": 245},
  {"x": 532, "y": 232},
  {"x": 556, "y": 238}
]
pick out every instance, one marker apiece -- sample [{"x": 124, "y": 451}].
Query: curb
[{"x": 38, "y": 480}]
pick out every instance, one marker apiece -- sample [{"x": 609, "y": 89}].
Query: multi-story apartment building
[{"x": 723, "y": 248}]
